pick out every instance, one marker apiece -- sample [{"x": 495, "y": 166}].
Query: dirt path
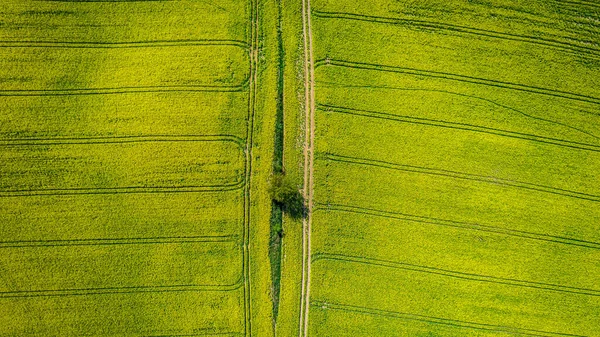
[{"x": 309, "y": 101}]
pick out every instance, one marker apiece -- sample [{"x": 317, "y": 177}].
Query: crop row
[
  {"x": 491, "y": 102},
  {"x": 458, "y": 224},
  {"x": 461, "y": 175},
  {"x": 59, "y": 167},
  {"x": 461, "y": 126},
  {"x": 112, "y": 45},
  {"x": 470, "y": 297},
  {"x": 328, "y": 305},
  {"x": 460, "y": 78},
  {"x": 551, "y": 43},
  {"x": 454, "y": 274}
]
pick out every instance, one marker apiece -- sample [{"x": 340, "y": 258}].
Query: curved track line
[
  {"x": 462, "y": 175},
  {"x": 122, "y": 290},
  {"x": 206, "y": 334},
  {"x": 122, "y": 90},
  {"x": 119, "y": 241},
  {"x": 309, "y": 139},
  {"x": 460, "y": 78},
  {"x": 114, "y": 45},
  {"x": 325, "y": 305},
  {"x": 123, "y": 190},
  {"x": 84, "y": 1},
  {"x": 456, "y": 274},
  {"x": 556, "y": 44},
  {"x": 461, "y": 126},
  {"x": 486, "y": 100},
  {"x": 33, "y": 141},
  {"x": 458, "y": 224},
  {"x": 577, "y": 3}
]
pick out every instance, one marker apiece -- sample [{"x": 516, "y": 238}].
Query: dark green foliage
[{"x": 285, "y": 193}]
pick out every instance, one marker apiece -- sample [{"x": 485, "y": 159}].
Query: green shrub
[{"x": 284, "y": 191}]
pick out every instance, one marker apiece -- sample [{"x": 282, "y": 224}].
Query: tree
[{"x": 286, "y": 194}]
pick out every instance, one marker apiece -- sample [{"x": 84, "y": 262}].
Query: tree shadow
[{"x": 286, "y": 194}]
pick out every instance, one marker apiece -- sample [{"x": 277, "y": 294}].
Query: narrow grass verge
[{"x": 276, "y": 233}]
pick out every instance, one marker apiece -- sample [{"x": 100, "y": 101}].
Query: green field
[
  {"x": 126, "y": 143},
  {"x": 457, "y": 169},
  {"x": 448, "y": 153}
]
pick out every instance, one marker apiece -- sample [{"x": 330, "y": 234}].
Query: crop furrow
[
  {"x": 122, "y": 190},
  {"x": 123, "y": 90},
  {"x": 203, "y": 334},
  {"x": 578, "y": 3},
  {"x": 111, "y": 45},
  {"x": 460, "y": 126},
  {"x": 456, "y": 274},
  {"x": 579, "y": 50},
  {"x": 80, "y": 1},
  {"x": 121, "y": 290},
  {"x": 120, "y": 140},
  {"x": 462, "y": 175},
  {"x": 458, "y": 224},
  {"x": 460, "y": 78},
  {"x": 119, "y": 241},
  {"x": 486, "y": 100},
  {"x": 325, "y": 305}
]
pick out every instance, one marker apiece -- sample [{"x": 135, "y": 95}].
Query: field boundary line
[
  {"x": 123, "y": 190},
  {"x": 556, "y": 44},
  {"x": 124, "y": 90},
  {"x": 461, "y": 175},
  {"x": 32, "y": 141},
  {"x": 122, "y": 290},
  {"x": 120, "y": 241},
  {"x": 460, "y": 78},
  {"x": 458, "y": 224},
  {"x": 460, "y": 126},
  {"x": 308, "y": 151},
  {"x": 456, "y": 274},
  {"x": 116, "y": 45},
  {"x": 326, "y": 305}
]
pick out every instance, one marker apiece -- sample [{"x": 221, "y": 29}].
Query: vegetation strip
[
  {"x": 325, "y": 305},
  {"x": 455, "y": 274},
  {"x": 461, "y": 175},
  {"x": 276, "y": 220},
  {"x": 461, "y": 126},
  {"x": 457, "y": 224},
  {"x": 557, "y": 44},
  {"x": 460, "y": 78}
]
